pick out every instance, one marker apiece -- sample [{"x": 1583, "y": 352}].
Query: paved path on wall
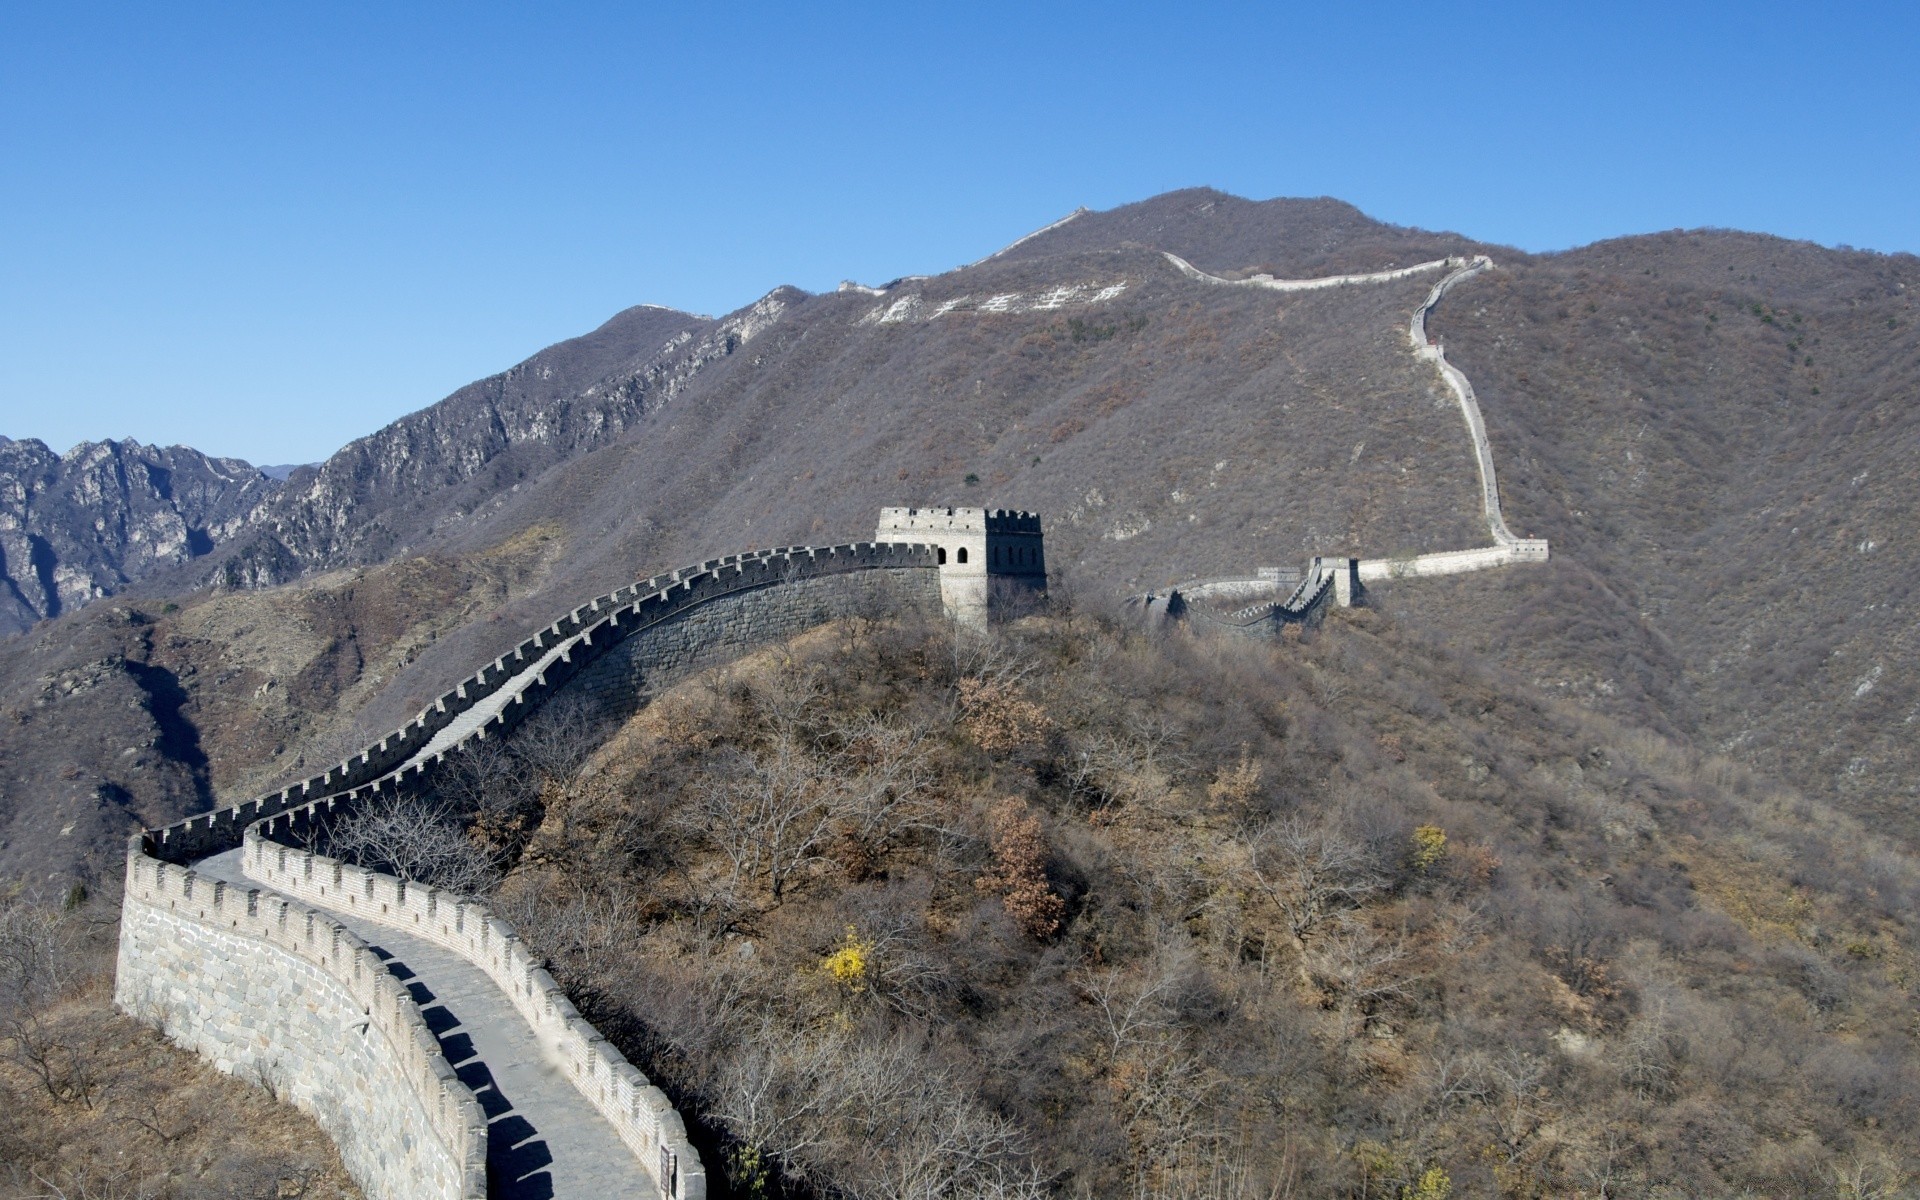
[
  {"x": 543, "y": 1138},
  {"x": 1462, "y": 388},
  {"x": 472, "y": 719}
]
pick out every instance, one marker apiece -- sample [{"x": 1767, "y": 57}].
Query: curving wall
[
  {"x": 264, "y": 985},
  {"x": 1313, "y": 592},
  {"x": 638, "y": 1111},
  {"x": 272, "y": 990},
  {"x": 1271, "y": 284},
  {"x": 503, "y": 692},
  {"x": 1463, "y": 392}
]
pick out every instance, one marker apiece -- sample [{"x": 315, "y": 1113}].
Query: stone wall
[
  {"x": 1463, "y": 392},
  {"x": 617, "y": 682},
  {"x": 533, "y": 670},
  {"x": 1454, "y": 562},
  {"x": 638, "y": 1111},
  {"x": 1307, "y": 285},
  {"x": 987, "y": 556},
  {"x": 268, "y": 989}
]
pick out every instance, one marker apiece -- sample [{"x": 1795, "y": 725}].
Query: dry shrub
[
  {"x": 1019, "y": 872},
  {"x": 1235, "y": 787},
  {"x": 998, "y": 718}
]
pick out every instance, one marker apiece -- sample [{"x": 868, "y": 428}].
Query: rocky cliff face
[
  {"x": 86, "y": 525},
  {"x": 394, "y": 488},
  {"x": 82, "y": 525}
]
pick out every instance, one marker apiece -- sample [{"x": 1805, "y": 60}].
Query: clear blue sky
[{"x": 265, "y": 229}]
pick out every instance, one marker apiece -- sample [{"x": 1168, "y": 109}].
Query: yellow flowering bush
[
  {"x": 1429, "y": 846},
  {"x": 848, "y": 965}
]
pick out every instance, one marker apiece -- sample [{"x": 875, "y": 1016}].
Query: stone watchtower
[{"x": 988, "y": 556}]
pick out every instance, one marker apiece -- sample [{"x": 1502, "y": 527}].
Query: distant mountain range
[
  {"x": 1714, "y": 429},
  {"x": 79, "y": 526}
]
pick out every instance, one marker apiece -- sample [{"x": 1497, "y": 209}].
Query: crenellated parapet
[
  {"x": 505, "y": 691},
  {"x": 637, "y": 1110},
  {"x": 271, "y": 989},
  {"x": 987, "y": 556}
]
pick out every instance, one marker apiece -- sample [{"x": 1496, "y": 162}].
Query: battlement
[
  {"x": 215, "y": 965},
  {"x": 265, "y": 986},
  {"x": 639, "y": 1113},
  {"x": 954, "y": 519}
]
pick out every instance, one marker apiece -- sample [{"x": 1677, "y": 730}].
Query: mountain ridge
[{"x": 1171, "y": 429}]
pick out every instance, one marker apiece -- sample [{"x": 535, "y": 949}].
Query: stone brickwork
[
  {"x": 1326, "y": 582},
  {"x": 638, "y": 1111},
  {"x": 268, "y": 989},
  {"x": 987, "y": 556},
  {"x": 616, "y": 683},
  {"x": 506, "y": 690},
  {"x": 1454, "y": 562}
]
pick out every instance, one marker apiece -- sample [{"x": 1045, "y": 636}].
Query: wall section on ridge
[
  {"x": 525, "y": 676},
  {"x": 616, "y": 683},
  {"x": 270, "y": 990}
]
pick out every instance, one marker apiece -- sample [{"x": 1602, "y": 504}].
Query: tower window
[
  {"x": 943, "y": 555},
  {"x": 963, "y": 554}
]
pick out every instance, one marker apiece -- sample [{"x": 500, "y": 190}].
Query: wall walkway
[
  {"x": 280, "y": 992},
  {"x": 544, "y": 1138},
  {"x": 1307, "y": 285}
]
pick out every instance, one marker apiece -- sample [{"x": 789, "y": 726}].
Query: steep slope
[
  {"x": 78, "y": 526},
  {"x": 1173, "y": 429},
  {"x": 89, "y": 524},
  {"x": 392, "y": 488},
  {"x": 1718, "y": 430}
]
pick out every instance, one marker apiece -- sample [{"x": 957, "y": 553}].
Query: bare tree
[
  {"x": 558, "y": 740},
  {"x": 1519, "y": 1105},
  {"x": 483, "y": 775},
  {"x": 1132, "y": 1007},
  {"x": 885, "y": 770},
  {"x": 900, "y": 1125},
  {"x": 1361, "y": 964},
  {"x": 769, "y": 812},
  {"x": 1310, "y": 871},
  {"x": 36, "y": 952},
  {"x": 415, "y": 838}
]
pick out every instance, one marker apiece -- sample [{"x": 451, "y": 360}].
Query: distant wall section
[{"x": 1454, "y": 562}]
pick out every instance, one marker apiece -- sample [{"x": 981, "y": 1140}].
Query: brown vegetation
[
  {"x": 96, "y": 1107},
  {"x": 1348, "y": 918}
]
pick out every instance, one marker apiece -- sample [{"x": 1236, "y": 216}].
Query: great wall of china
[
  {"x": 1338, "y": 581},
  {"x": 414, "y": 1024}
]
